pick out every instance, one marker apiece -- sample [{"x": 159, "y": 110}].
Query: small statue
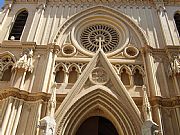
[{"x": 175, "y": 66}]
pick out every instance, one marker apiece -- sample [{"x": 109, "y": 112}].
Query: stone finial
[
  {"x": 52, "y": 102},
  {"x": 146, "y": 106},
  {"x": 47, "y": 126},
  {"x": 149, "y": 127},
  {"x": 48, "y": 123}
]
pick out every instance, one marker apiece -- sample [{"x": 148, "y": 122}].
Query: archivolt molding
[
  {"x": 100, "y": 10},
  {"x": 98, "y": 100}
]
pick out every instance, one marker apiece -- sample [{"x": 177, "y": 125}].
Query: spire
[
  {"x": 52, "y": 102},
  {"x": 146, "y": 106},
  {"x": 149, "y": 127}
]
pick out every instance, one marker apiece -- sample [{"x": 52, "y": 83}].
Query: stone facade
[{"x": 99, "y": 54}]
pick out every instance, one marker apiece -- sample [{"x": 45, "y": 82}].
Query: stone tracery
[
  {"x": 91, "y": 35},
  {"x": 6, "y": 62}
]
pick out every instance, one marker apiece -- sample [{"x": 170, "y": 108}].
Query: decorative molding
[
  {"x": 159, "y": 101},
  {"x": 124, "y": 2},
  {"x": 14, "y": 92}
]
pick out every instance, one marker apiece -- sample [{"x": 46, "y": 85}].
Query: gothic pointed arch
[
  {"x": 99, "y": 101},
  {"x": 104, "y": 17},
  {"x": 139, "y": 76}
]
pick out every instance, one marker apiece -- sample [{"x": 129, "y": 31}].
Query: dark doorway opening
[{"x": 97, "y": 125}]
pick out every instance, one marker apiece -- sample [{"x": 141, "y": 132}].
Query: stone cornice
[
  {"x": 74, "y": 2},
  {"x": 20, "y": 94},
  {"x": 160, "y": 101},
  {"x": 167, "y": 49},
  {"x": 28, "y": 45}
]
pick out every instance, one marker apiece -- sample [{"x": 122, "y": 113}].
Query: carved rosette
[{"x": 99, "y": 76}]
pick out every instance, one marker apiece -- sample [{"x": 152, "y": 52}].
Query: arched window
[
  {"x": 177, "y": 21},
  {"x": 125, "y": 77},
  {"x": 18, "y": 25},
  {"x": 59, "y": 78},
  {"x": 73, "y": 75},
  {"x": 138, "y": 78},
  {"x": 7, "y": 74}
]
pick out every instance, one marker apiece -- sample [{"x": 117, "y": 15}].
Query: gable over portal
[{"x": 104, "y": 92}]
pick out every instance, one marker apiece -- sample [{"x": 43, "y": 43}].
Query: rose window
[{"x": 99, "y": 35}]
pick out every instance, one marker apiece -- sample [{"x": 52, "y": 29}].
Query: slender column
[
  {"x": 66, "y": 76},
  {"x": 159, "y": 119},
  {"x": 39, "y": 116},
  {"x": 34, "y": 73},
  {"x": 22, "y": 80},
  {"x": 13, "y": 78},
  {"x": 11, "y": 119},
  {"x": 17, "y": 118},
  {"x": 7, "y": 115},
  {"x": 176, "y": 85},
  {"x": 149, "y": 67},
  {"x": 131, "y": 81},
  {"x": 47, "y": 72}
]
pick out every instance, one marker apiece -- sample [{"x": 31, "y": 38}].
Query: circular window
[
  {"x": 131, "y": 52},
  {"x": 98, "y": 35},
  {"x": 68, "y": 50}
]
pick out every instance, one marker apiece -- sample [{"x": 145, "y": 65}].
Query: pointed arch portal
[
  {"x": 98, "y": 101},
  {"x": 97, "y": 125}
]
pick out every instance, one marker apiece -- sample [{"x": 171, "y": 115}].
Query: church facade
[{"x": 94, "y": 66}]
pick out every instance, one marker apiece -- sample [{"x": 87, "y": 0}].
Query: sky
[{"x": 1, "y": 3}]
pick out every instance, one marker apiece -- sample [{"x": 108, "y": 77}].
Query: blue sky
[{"x": 1, "y": 3}]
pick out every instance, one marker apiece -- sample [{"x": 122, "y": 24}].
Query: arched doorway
[{"x": 96, "y": 125}]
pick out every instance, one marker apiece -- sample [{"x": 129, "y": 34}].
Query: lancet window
[
  {"x": 73, "y": 75},
  {"x": 59, "y": 77},
  {"x": 18, "y": 25},
  {"x": 125, "y": 78},
  {"x": 138, "y": 78},
  {"x": 177, "y": 21}
]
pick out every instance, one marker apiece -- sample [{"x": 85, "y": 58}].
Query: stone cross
[{"x": 100, "y": 40}]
